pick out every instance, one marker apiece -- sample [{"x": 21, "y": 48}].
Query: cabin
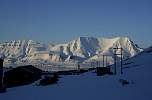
[{"x": 21, "y": 75}]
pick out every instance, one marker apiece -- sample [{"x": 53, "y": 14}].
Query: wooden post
[
  {"x": 121, "y": 62},
  {"x": 99, "y": 63},
  {"x": 1, "y": 73},
  {"x": 103, "y": 61},
  {"x": 115, "y": 70},
  {"x": 78, "y": 67},
  {"x": 91, "y": 64},
  {"x": 96, "y": 63},
  {"x": 106, "y": 61},
  {"x": 116, "y": 58},
  {"x": 2, "y": 86}
]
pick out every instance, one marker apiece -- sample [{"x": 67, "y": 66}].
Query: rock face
[{"x": 80, "y": 49}]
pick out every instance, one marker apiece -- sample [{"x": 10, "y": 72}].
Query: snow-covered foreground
[{"x": 88, "y": 86}]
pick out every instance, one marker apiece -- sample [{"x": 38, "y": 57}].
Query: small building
[{"x": 21, "y": 75}]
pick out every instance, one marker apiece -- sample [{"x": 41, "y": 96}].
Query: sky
[{"x": 63, "y": 20}]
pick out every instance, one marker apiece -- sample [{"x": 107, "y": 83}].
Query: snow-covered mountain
[
  {"x": 80, "y": 49},
  {"x": 136, "y": 75}
]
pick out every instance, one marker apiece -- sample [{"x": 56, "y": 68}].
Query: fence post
[
  {"x": 115, "y": 53},
  {"x": 115, "y": 70},
  {"x": 2, "y": 86},
  {"x": 121, "y": 62}
]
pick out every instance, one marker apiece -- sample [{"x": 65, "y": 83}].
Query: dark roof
[{"x": 22, "y": 75}]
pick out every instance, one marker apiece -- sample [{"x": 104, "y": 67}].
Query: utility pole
[
  {"x": 115, "y": 58},
  {"x": 78, "y": 66},
  {"x": 99, "y": 63},
  {"x": 121, "y": 61},
  {"x": 103, "y": 60},
  {"x": 1, "y": 73},
  {"x": 115, "y": 69},
  {"x": 2, "y": 88},
  {"x": 106, "y": 60}
]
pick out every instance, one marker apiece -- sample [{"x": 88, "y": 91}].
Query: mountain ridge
[{"x": 82, "y": 47}]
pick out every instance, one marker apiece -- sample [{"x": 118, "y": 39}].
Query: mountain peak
[{"x": 82, "y": 47}]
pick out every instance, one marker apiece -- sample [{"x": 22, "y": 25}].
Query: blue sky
[{"x": 64, "y": 20}]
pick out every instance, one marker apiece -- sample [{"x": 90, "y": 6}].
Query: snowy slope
[{"x": 88, "y": 86}]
